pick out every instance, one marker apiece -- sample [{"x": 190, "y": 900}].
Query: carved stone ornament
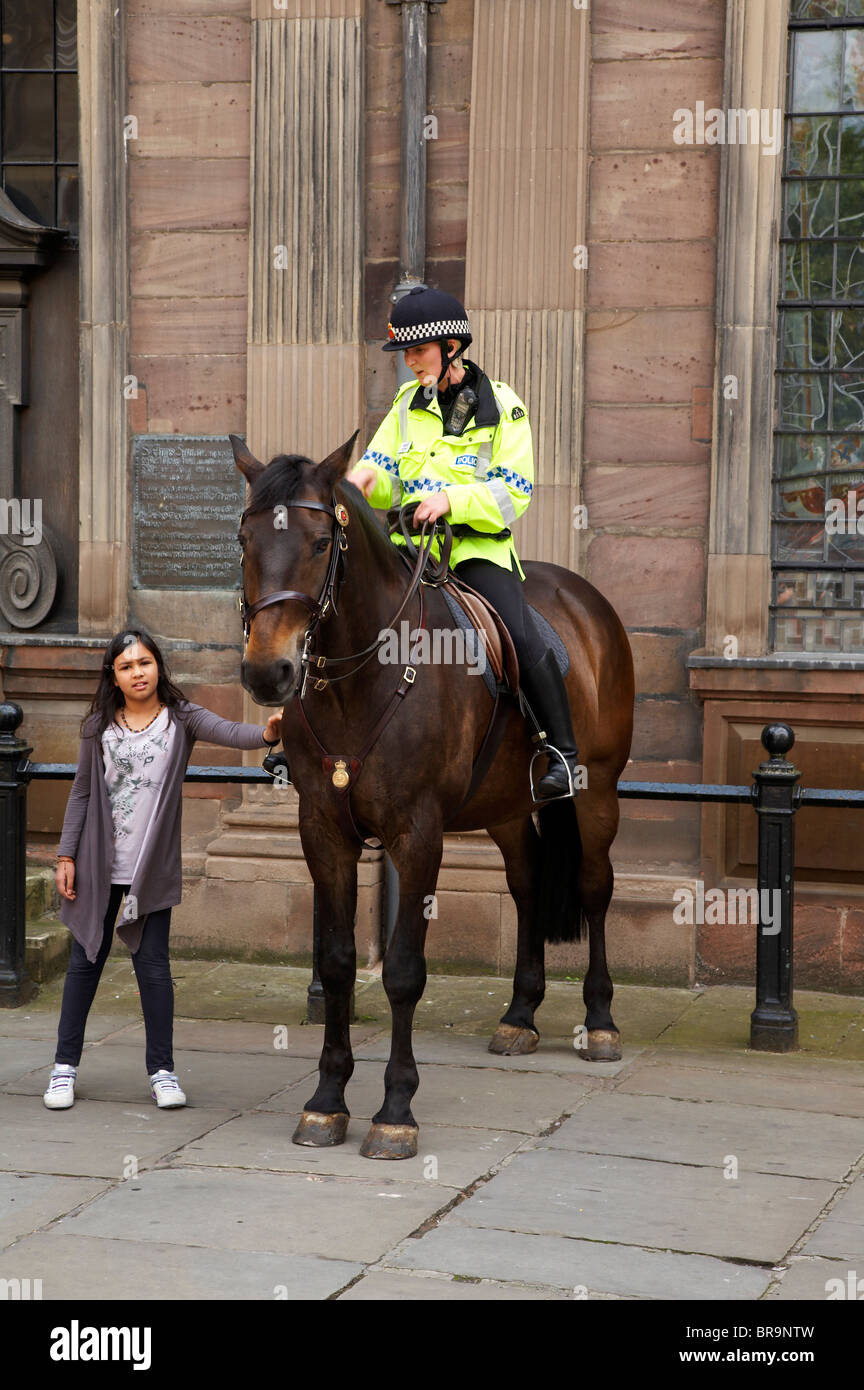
[{"x": 28, "y": 570}]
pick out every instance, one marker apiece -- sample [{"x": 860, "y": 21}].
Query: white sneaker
[
  {"x": 61, "y": 1088},
  {"x": 165, "y": 1090}
]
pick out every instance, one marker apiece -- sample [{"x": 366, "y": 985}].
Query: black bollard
[
  {"x": 15, "y": 985},
  {"x": 774, "y": 1022}
]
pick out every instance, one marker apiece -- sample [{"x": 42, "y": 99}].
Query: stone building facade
[{"x": 618, "y": 275}]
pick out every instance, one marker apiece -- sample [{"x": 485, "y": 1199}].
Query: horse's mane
[{"x": 278, "y": 483}]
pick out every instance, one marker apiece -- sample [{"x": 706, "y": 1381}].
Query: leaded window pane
[
  {"x": 39, "y": 109},
  {"x": 818, "y": 481}
]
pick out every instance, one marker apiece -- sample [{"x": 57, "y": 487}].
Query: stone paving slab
[
  {"x": 404, "y": 1287},
  {"x": 14, "y": 1023},
  {"x": 19, "y": 1056},
  {"x": 207, "y": 1035},
  {"x": 94, "y": 1138},
  {"x": 807, "y": 1279},
  {"x": 762, "y": 1139},
  {"x": 29, "y": 1200},
  {"x": 449, "y": 1049},
  {"x": 216, "y": 1080},
  {"x": 739, "y": 1083},
  {"x": 492, "y": 1099},
  {"x": 276, "y": 1213},
  {"x": 448, "y": 1157},
  {"x": 84, "y": 1267},
  {"x": 585, "y": 1266},
  {"x": 468, "y": 1004},
  {"x": 841, "y": 1234},
  {"x": 720, "y": 1017},
  {"x": 638, "y": 1202}
]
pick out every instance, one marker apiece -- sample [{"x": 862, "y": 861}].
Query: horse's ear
[
  {"x": 249, "y": 466},
  {"x": 335, "y": 466}
]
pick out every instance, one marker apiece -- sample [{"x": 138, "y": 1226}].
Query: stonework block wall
[
  {"x": 189, "y": 85},
  {"x": 649, "y": 370}
]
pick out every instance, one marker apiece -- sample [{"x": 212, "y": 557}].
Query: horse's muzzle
[{"x": 270, "y": 683}]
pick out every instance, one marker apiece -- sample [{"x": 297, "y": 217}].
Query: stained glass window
[
  {"x": 39, "y": 109},
  {"x": 817, "y": 598}
]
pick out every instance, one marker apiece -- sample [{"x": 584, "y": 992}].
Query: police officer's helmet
[{"x": 426, "y": 316}]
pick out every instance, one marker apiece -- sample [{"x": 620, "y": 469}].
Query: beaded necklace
[{"x": 146, "y": 726}]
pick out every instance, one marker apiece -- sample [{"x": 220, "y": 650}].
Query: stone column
[
  {"x": 739, "y": 570},
  {"x": 527, "y": 225},
  {"x": 103, "y": 554},
  {"x": 304, "y": 382}
]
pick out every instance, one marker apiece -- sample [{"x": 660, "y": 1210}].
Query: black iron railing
[{"x": 774, "y": 794}]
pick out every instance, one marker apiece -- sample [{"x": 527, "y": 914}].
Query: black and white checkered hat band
[{"x": 444, "y": 328}]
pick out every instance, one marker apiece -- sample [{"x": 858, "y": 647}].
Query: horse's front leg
[
  {"x": 333, "y": 864},
  {"x": 417, "y": 857}
]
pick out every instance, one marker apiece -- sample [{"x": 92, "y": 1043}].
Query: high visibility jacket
[{"x": 488, "y": 470}]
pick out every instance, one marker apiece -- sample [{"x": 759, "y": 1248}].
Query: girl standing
[{"x": 121, "y": 836}]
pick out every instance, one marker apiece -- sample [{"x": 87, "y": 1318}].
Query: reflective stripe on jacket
[{"x": 488, "y": 470}]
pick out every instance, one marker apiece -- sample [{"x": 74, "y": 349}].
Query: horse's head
[{"x": 284, "y": 548}]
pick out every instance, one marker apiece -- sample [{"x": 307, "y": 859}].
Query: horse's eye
[{"x": 322, "y": 544}]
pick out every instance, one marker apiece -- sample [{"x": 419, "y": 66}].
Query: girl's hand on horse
[
  {"x": 272, "y": 731},
  {"x": 363, "y": 478},
  {"x": 431, "y": 508},
  {"x": 64, "y": 877}
]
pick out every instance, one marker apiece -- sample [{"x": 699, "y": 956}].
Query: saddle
[
  {"x": 486, "y": 620},
  {"x": 491, "y": 628}
]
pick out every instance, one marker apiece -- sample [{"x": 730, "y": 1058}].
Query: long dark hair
[{"x": 109, "y": 697}]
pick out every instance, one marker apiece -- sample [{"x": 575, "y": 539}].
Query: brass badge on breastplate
[{"x": 340, "y": 776}]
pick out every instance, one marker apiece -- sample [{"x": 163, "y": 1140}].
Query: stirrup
[
  {"x": 273, "y": 762},
  {"x": 560, "y": 796}
]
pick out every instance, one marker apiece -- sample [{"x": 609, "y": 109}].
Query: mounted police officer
[{"x": 462, "y": 443}]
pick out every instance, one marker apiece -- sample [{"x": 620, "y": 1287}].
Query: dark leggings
[
  {"x": 155, "y": 986},
  {"x": 504, "y": 590}
]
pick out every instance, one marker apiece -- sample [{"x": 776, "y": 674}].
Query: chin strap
[{"x": 446, "y": 360}]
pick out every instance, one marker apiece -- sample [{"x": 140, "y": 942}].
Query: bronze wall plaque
[{"x": 188, "y": 497}]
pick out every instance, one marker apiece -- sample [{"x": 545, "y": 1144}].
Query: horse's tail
[{"x": 559, "y": 862}]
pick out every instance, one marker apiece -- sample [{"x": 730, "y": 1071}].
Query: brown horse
[{"x": 397, "y": 757}]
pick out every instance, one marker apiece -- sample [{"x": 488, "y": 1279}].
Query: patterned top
[{"x": 135, "y": 764}]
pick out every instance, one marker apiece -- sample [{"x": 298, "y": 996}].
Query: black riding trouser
[{"x": 504, "y": 590}]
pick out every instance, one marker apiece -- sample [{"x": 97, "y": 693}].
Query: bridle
[
  {"x": 327, "y": 597},
  {"x": 326, "y": 601}
]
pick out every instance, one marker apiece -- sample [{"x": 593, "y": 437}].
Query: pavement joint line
[{"x": 855, "y": 1173}]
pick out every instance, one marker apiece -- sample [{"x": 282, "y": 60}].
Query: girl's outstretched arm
[{"x": 204, "y": 724}]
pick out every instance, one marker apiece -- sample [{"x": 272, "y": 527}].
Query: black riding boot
[{"x": 547, "y": 695}]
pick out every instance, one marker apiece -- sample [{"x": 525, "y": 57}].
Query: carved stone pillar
[
  {"x": 28, "y": 572},
  {"x": 304, "y": 380},
  {"x": 103, "y": 554},
  {"x": 527, "y": 229}
]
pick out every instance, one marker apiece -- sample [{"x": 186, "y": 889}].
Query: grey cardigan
[{"x": 88, "y": 831}]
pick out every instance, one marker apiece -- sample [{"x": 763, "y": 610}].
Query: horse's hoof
[
  {"x": 390, "y": 1141},
  {"x": 509, "y": 1040},
  {"x": 320, "y": 1131},
  {"x": 604, "y": 1045}
]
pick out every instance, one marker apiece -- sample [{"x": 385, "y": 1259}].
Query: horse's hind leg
[
  {"x": 516, "y": 1034},
  {"x": 597, "y": 813},
  {"x": 333, "y": 865}
]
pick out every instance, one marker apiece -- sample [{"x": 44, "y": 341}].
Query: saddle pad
[
  {"x": 549, "y": 637},
  {"x": 546, "y": 631}
]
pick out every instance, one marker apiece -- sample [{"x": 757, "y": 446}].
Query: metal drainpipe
[{"x": 412, "y": 243}]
